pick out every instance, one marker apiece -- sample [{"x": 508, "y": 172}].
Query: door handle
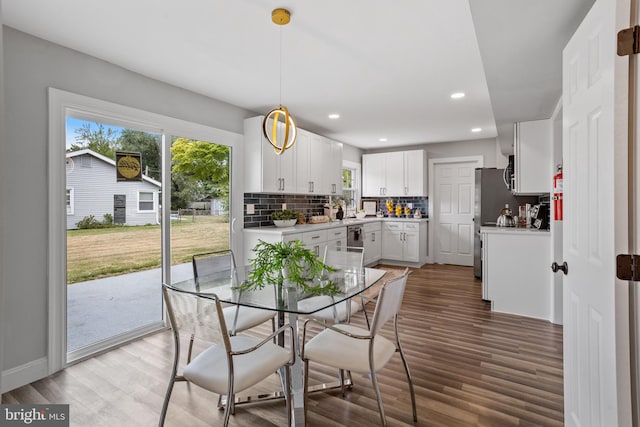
[{"x": 555, "y": 267}]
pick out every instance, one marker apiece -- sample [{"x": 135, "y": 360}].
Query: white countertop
[
  {"x": 512, "y": 230},
  {"x": 301, "y": 228}
]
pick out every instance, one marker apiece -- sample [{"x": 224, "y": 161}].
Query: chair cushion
[
  {"x": 248, "y": 317},
  {"x": 334, "y": 349},
  {"x": 209, "y": 369}
]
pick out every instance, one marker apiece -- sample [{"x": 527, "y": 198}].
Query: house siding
[{"x": 94, "y": 184}]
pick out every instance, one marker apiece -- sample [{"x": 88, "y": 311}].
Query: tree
[
  {"x": 148, "y": 145},
  {"x": 101, "y": 140},
  {"x": 204, "y": 165}
]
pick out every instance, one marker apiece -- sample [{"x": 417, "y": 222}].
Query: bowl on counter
[
  {"x": 284, "y": 222},
  {"x": 361, "y": 215}
]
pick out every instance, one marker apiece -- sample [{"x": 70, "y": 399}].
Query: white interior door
[
  {"x": 592, "y": 217},
  {"x": 454, "y": 206}
]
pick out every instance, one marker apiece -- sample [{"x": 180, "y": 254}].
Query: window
[
  {"x": 69, "y": 201},
  {"x": 145, "y": 201},
  {"x": 348, "y": 187}
]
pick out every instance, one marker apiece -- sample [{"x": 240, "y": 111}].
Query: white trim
[
  {"x": 432, "y": 213},
  {"x": 24, "y": 374},
  {"x": 348, "y": 164},
  {"x": 63, "y": 104}
]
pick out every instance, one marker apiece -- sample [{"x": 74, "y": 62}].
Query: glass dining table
[{"x": 289, "y": 303}]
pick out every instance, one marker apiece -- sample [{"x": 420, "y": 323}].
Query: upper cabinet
[
  {"x": 532, "y": 157},
  {"x": 394, "y": 174},
  {"x": 312, "y": 166}
]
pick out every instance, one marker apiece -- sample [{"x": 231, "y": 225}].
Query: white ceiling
[{"x": 388, "y": 68}]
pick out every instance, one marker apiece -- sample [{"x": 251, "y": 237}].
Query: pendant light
[{"x": 275, "y": 136}]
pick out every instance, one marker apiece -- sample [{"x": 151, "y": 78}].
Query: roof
[{"x": 106, "y": 159}]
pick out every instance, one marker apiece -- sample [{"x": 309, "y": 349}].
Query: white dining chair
[
  {"x": 229, "y": 364},
  {"x": 350, "y": 348},
  {"x": 351, "y": 258},
  {"x": 236, "y": 317}
]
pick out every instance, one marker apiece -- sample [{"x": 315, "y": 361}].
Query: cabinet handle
[
  {"x": 317, "y": 250},
  {"x": 310, "y": 188},
  {"x": 315, "y": 237},
  {"x": 338, "y": 243},
  {"x": 337, "y": 233},
  {"x": 334, "y": 188},
  {"x": 406, "y": 190},
  {"x": 373, "y": 237}
]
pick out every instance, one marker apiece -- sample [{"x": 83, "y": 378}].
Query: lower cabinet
[
  {"x": 515, "y": 272},
  {"x": 372, "y": 243},
  {"x": 404, "y": 241}
]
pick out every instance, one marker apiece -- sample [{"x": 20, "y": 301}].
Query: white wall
[
  {"x": 351, "y": 154},
  {"x": 487, "y": 148},
  {"x": 3, "y": 194},
  {"x": 30, "y": 66}
]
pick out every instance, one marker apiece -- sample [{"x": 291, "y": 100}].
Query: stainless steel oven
[{"x": 355, "y": 236}]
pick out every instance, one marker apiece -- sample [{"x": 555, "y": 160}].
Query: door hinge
[
  {"x": 629, "y": 41},
  {"x": 628, "y": 267}
]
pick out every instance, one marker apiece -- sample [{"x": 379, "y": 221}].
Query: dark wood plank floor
[{"x": 470, "y": 367}]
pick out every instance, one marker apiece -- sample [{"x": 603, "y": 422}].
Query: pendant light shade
[
  {"x": 280, "y": 134},
  {"x": 278, "y": 126}
]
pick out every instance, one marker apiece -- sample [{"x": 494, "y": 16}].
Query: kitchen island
[{"x": 515, "y": 270}]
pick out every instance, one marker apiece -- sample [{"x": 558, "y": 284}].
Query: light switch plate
[{"x": 251, "y": 209}]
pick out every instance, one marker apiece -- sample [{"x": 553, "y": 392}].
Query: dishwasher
[{"x": 355, "y": 236}]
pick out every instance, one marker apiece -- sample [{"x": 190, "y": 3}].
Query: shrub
[{"x": 90, "y": 221}]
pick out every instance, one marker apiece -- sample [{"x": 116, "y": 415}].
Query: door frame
[
  {"x": 433, "y": 233},
  {"x": 62, "y": 102}
]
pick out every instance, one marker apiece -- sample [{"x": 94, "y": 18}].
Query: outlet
[
  {"x": 284, "y": 206},
  {"x": 410, "y": 205},
  {"x": 251, "y": 209}
]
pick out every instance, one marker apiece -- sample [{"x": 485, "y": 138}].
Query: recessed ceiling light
[
  {"x": 334, "y": 116},
  {"x": 457, "y": 95},
  {"x": 383, "y": 140},
  {"x": 476, "y": 129}
]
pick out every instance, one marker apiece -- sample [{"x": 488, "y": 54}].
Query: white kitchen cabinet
[
  {"x": 372, "y": 242},
  {"x": 266, "y": 171},
  {"x": 415, "y": 176},
  {"x": 532, "y": 157},
  {"x": 404, "y": 241},
  {"x": 312, "y": 166},
  {"x": 394, "y": 174},
  {"x": 333, "y": 178},
  {"x": 316, "y": 241},
  {"x": 336, "y": 239},
  {"x": 515, "y": 271}
]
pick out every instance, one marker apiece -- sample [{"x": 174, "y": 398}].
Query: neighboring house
[{"x": 92, "y": 189}]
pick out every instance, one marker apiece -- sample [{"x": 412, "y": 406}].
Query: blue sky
[{"x": 73, "y": 124}]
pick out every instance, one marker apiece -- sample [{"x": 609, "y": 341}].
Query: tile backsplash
[
  {"x": 265, "y": 204},
  {"x": 421, "y": 203}
]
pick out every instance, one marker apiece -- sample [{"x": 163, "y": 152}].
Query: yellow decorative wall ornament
[{"x": 280, "y": 137}]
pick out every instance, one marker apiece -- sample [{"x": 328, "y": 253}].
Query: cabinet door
[
  {"x": 287, "y": 169},
  {"x": 336, "y": 245},
  {"x": 411, "y": 246},
  {"x": 372, "y": 246},
  {"x": 532, "y": 155},
  {"x": 318, "y": 155},
  {"x": 333, "y": 164},
  {"x": 394, "y": 174},
  {"x": 373, "y": 175},
  {"x": 301, "y": 150},
  {"x": 393, "y": 245},
  {"x": 414, "y": 173}
]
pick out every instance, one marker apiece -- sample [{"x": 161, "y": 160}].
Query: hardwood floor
[{"x": 470, "y": 367}]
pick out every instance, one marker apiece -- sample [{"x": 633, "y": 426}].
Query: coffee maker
[{"x": 540, "y": 216}]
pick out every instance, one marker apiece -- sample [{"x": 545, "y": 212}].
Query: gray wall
[
  {"x": 30, "y": 66},
  {"x": 351, "y": 153}
]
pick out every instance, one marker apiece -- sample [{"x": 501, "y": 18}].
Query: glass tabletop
[{"x": 224, "y": 285}]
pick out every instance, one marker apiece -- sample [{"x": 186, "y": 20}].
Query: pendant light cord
[{"x": 280, "y": 65}]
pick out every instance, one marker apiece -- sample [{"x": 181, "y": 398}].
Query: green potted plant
[
  {"x": 288, "y": 264},
  {"x": 285, "y": 218}
]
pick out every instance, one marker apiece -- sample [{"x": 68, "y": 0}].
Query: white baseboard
[{"x": 24, "y": 374}]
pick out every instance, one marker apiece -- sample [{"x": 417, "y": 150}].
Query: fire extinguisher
[{"x": 557, "y": 194}]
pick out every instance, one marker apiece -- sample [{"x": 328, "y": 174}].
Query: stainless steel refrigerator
[{"x": 491, "y": 195}]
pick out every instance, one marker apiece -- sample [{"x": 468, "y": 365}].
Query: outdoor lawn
[{"x": 96, "y": 253}]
